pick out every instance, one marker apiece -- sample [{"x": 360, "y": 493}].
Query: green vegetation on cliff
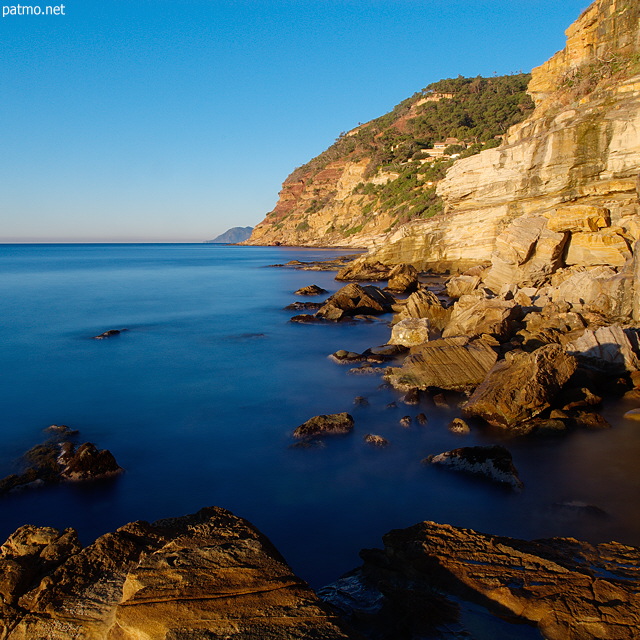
[
  {"x": 469, "y": 114},
  {"x": 474, "y": 110}
]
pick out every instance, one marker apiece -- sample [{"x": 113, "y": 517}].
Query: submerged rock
[
  {"x": 60, "y": 459},
  {"x": 109, "y": 334},
  {"x": 207, "y": 575},
  {"x": 331, "y": 424},
  {"x": 494, "y": 462}
]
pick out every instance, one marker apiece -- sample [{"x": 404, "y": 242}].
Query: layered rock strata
[
  {"x": 201, "y": 576},
  {"x": 570, "y": 590}
]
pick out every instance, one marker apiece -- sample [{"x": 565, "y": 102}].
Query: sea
[{"x": 198, "y": 400}]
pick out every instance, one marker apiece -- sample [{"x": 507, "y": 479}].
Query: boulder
[
  {"x": 376, "y": 441},
  {"x": 424, "y": 304},
  {"x": 367, "y": 271},
  {"x": 403, "y": 278},
  {"x": 567, "y": 588},
  {"x": 59, "y": 459},
  {"x": 474, "y": 315},
  {"x": 303, "y": 306},
  {"x": 207, "y": 575},
  {"x": 522, "y": 386},
  {"x": 412, "y": 331},
  {"x": 311, "y": 290},
  {"x": 459, "y": 426},
  {"x": 450, "y": 363},
  {"x": 493, "y": 462},
  {"x": 526, "y": 253},
  {"x": 353, "y": 300},
  {"x": 323, "y": 425},
  {"x": 89, "y": 463},
  {"x": 607, "y": 349}
]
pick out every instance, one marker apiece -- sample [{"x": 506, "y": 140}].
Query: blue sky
[{"x": 136, "y": 120}]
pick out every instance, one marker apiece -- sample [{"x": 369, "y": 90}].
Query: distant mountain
[{"x": 236, "y": 234}]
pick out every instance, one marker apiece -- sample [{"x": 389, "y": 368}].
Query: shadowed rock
[
  {"x": 567, "y": 588},
  {"x": 354, "y": 300},
  {"x": 403, "y": 278},
  {"x": 493, "y": 462}
]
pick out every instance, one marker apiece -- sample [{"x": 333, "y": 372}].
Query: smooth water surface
[{"x": 198, "y": 399}]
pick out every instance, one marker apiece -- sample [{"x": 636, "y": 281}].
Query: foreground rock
[
  {"x": 493, "y": 462},
  {"x": 569, "y": 589},
  {"x": 521, "y": 386},
  {"x": 455, "y": 364},
  {"x": 207, "y": 575},
  {"x": 61, "y": 459},
  {"x": 332, "y": 424}
]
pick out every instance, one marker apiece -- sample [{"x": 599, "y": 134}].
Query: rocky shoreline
[{"x": 212, "y": 574}]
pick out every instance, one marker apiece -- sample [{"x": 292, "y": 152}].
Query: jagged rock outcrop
[
  {"x": 206, "y": 575},
  {"x": 494, "y": 462},
  {"x": 424, "y": 304},
  {"x": 521, "y": 386},
  {"x": 353, "y": 300},
  {"x": 570, "y": 590},
  {"x": 456, "y": 364}
]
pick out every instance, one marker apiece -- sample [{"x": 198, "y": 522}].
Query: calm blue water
[{"x": 198, "y": 399}]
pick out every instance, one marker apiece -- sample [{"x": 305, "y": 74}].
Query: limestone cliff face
[
  {"x": 579, "y": 148},
  {"x": 382, "y": 174}
]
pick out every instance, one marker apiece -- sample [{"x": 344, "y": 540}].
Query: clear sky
[{"x": 156, "y": 120}]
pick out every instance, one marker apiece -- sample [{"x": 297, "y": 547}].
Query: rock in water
[
  {"x": 207, "y": 575},
  {"x": 494, "y": 462},
  {"x": 311, "y": 290},
  {"x": 569, "y": 589},
  {"x": 375, "y": 440},
  {"x": 109, "y": 334},
  {"x": 353, "y": 300},
  {"x": 332, "y": 424},
  {"x": 521, "y": 387}
]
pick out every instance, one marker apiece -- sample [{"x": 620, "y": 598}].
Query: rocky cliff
[
  {"x": 383, "y": 174},
  {"x": 578, "y": 150},
  {"x": 574, "y": 157}
]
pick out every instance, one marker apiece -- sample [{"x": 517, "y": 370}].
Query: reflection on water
[{"x": 199, "y": 398}]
